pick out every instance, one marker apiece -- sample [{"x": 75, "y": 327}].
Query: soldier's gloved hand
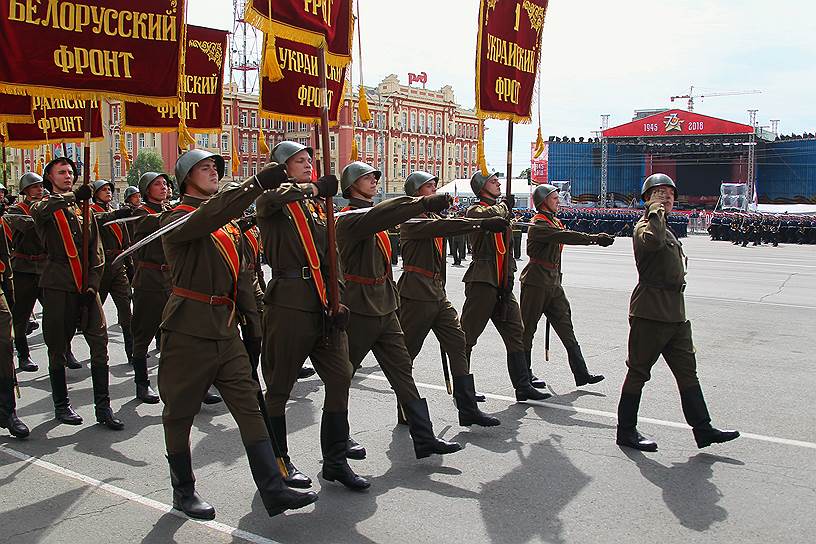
[
  {"x": 123, "y": 212},
  {"x": 494, "y": 224},
  {"x": 272, "y": 175},
  {"x": 88, "y": 298},
  {"x": 327, "y": 185},
  {"x": 340, "y": 320},
  {"x": 247, "y": 222},
  {"x": 510, "y": 201},
  {"x": 437, "y": 202},
  {"x": 605, "y": 239},
  {"x": 83, "y": 193},
  {"x": 11, "y": 199}
]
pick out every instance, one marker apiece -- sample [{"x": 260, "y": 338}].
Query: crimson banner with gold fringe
[
  {"x": 56, "y": 121},
  {"x": 93, "y": 49},
  {"x": 296, "y": 97},
  {"x": 203, "y": 89},
  {"x": 15, "y": 109},
  {"x": 507, "y": 57}
]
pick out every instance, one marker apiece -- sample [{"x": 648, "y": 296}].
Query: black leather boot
[
  {"x": 478, "y": 396},
  {"x": 354, "y": 450},
  {"x": 464, "y": 393},
  {"x": 185, "y": 497},
  {"x": 628, "y": 434},
  {"x": 59, "y": 393},
  {"x": 520, "y": 377},
  {"x": 144, "y": 392},
  {"x": 71, "y": 361},
  {"x": 696, "y": 412},
  {"x": 334, "y": 431},
  {"x": 421, "y": 429},
  {"x": 276, "y": 496},
  {"x": 25, "y": 364},
  {"x": 104, "y": 414},
  {"x": 211, "y": 398},
  {"x": 127, "y": 340},
  {"x": 294, "y": 478},
  {"x": 305, "y": 372},
  {"x": 8, "y": 415},
  {"x": 536, "y": 382},
  {"x": 579, "y": 369}
]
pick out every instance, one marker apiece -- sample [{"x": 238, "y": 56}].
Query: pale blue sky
[{"x": 604, "y": 57}]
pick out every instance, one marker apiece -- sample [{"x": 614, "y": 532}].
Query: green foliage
[{"x": 146, "y": 161}]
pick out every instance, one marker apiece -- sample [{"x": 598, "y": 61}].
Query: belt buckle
[
  {"x": 305, "y": 273},
  {"x": 212, "y": 300}
]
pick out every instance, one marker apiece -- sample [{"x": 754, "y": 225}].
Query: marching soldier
[
  {"x": 541, "y": 290},
  {"x": 486, "y": 297},
  {"x": 424, "y": 305},
  {"x": 658, "y": 325},
  {"x": 133, "y": 197},
  {"x": 28, "y": 262},
  {"x": 201, "y": 345},
  {"x": 58, "y": 221},
  {"x": 115, "y": 238},
  {"x": 371, "y": 296},
  {"x": 294, "y": 233}
]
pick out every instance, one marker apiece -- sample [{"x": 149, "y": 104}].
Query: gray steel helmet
[
  {"x": 98, "y": 184},
  {"x": 354, "y": 171},
  {"x": 130, "y": 191},
  {"x": 149, "y": 177},
  {"x": 285, "y": 150},
  {"x": 47, "y": 181},
  {"x": 189, "y": 159},
  {"x": 542, "y": 192},
  {"x": 2, "y": 187},
  {"x": 477, "y": 182},
  {"x": 416, "y": 180},
  {"x": 656, "y": 180},
  {"x": 29, "y": 179}
]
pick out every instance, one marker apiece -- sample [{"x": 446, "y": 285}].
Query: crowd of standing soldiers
[{"x": 759, "y": 228}]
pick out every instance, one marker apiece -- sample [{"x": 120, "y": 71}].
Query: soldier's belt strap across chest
[
  {"x": 364, "y": 280},
  {"x": 212, "y": 300},
  {"x": 675, "y": 288},
  {"x": 423, "y": 271},
  {"x": 546, "y": 264},
  {"x": 27, "y": 257}
]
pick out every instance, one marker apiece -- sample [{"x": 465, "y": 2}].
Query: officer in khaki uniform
[
  {"x": 58, "y": 221},
  {"x": 115, "y": 239},
  {"x": 658, "y": 324},
  {"x": 371, "y": 296},
  {"x": 28, "y": 262},
  {"x": 541, "y": 290},
  {"x": 294, "y": 233},
  {"x": 424, "y": 305},
  {"x": 486, "y": 298},
  {"x": 200, "y": 341}
]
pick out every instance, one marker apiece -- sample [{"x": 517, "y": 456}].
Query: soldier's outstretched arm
[
  {"x": 438, "y": 227},
  {"x": 651, "y": 235},
  {"x": 482, "y": 212},
  {"x": 18, "y": 221},
  {"x": 544, "y": 233},
  {"x": 273, "y": 200},
  {"x": 383, "y": 216},
  {"x": 43, "y": 210}
]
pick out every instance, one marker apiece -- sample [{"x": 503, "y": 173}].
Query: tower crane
[{"x": 691, "y": 96}]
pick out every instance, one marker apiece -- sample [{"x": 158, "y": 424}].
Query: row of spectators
[{"x": 758, "y": 228}]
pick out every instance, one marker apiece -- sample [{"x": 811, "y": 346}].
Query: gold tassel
[
  {"x": 236, "y": 162},
  {"x": 539, "y": 149},
  {"x": 271, "y": 68},
  {"x": 96, "y": 168},
  {"x": 47, "y": 153},
  {"x": 40, "y": 164},
  {"x": 355, "y": 153},
  {"x": 185, "y": 139},
  {"x": 480, "y": 150},
  {"x": 362, "y": 106},
  {"x": 262, "y": 147},
  {"x": 123, "y": 149}
]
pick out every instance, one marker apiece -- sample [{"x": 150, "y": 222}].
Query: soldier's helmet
[
  {"x": 656, "y": 180},
  {"x": 189, "y": 159},
  {"x": 285, "y": 150},
  {"x": 97, "y": 185},
  {"x": 354, "y": 171},
  {"x": 149, "y": 177},
  {"x": 130, "y": 191},
  {"x": 542, "y": 192},
  {"x": 59, "y": 160},
  {"x": 477, "y": 182},
  {"x": 416, "y": 180},
  {"x": 29, "y": 179}
]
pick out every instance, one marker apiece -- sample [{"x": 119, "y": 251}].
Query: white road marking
[
  {"x": 611, "y": 415},
  {"x": 135, "y": 497}
]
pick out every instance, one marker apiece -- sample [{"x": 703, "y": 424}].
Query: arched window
[
  {"x": 413, "y": 121},
  {"x": 370, "y": 144},
  {"x": 422, "y": 122}
]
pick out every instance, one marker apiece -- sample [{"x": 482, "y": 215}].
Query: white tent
[{"x": 461, "y": 189}]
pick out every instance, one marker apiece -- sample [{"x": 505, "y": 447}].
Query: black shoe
[
  {"x": 276, "y": 496},
  {"x": 66, "y": 414},
  {"x": 538, "y": 383},
  {"x": 628, "y": 434},
  {"x": 629, "y": 437},
  {"x": 354, "y": 450},
  {"x": 146, "y": 394},
  {"x": 17, "y": 428},
  {"x": 71, "y": 361},
  {"x": 334, "y": 431},
  {"x": 8, "y": 415},
  {"x": 579, "y": 369},
  {"x": 520, "y": 377},
  {"x": 706, "y": 437},
  {"x": 295, "y": 478},
  {"x": 25, "y": 364},
  {"x": 185, "y": 497},
  {"x": 464, "y": 394},
  {"x": 211, "y": 398},
  {"x": 32, "y": 326},
  {"x": 421, "y": 428},
  {"x": 696, "y": 413},
  {"x": 305, "y": 372},
  {"x": 63, "y": 411},
  {"x": 104, "y": 416}
]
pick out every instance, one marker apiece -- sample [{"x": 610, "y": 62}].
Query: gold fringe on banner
[
  {"x": 362, "y": 106},
  {"x": 271, "y": 68},
  {"x": 355, "y": 153},
  {"x": 48, "y": 155},
  {"x": 480, "y": 151},
  {"x": 539, "y": 149},
  {"x": 70, "y": 94},
  {"x": 33, "y": 144},
  {"x": 96, "y": 168},
  {"x": 185, "y": 139},
  {"x": 262, "y": 147}
]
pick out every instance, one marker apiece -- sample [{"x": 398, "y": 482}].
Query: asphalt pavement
[{"x": 550, "y": 473}]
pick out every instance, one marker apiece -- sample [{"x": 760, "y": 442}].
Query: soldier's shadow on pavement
[
  {"x": 687, "y": 487},
  {"x": 40, "y": 521}
]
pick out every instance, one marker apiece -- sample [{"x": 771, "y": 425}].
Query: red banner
[
  {"x": 203, "y": 89},
  {"x": 56, "y": 121},
  {"x": 312, "y": 22},
  {"x": 297, "y": 96},
  {"x": 15, "y": 109},
  {"x": 92, "y": 50},
  {"x": 539, "y": 166},
  {"x": 507, "y": 56},
  {"x": 677, "y": 123}
]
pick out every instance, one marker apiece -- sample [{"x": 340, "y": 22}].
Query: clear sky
[{"x": 603, "y": 57}]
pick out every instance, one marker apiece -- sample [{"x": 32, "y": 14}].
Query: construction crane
[{"x": 691, "y": 96}]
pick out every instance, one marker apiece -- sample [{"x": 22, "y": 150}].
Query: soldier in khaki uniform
[
  {"x": 371, "y": 296},
  {"x": 201, "y": 345},
  {"x": 486, "y": 297},
  {"x": 294, "y": 233},
  {"x": 541, "y": 290},
  {"x": 658, "y": 324},
  {"x": 58, "y": 220},
  {"x": 424, "y": 305}
]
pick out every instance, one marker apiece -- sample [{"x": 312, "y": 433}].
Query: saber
[
  {"x": 123, "y": 220},
  {"x": 152, "y": 236},
  {"x": 547, "y": 339},
  {"x": 445, "y": 369}
]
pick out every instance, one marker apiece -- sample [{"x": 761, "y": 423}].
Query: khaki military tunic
[{"x": 6, "y": 350}]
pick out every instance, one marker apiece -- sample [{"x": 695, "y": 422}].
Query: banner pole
[
  {"x": 508, "y": 234},
  {"x": 333, "y": 294},
  {"x": 86, "y": 205}
]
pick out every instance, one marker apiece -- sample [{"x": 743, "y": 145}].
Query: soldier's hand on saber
[
  {"x": 327, "y": 185},
  {"x": 605, "y": 239},
  {"x": 272, "y": 175},
  {"x": 83, "y": 193},
  {"x": 437, "y": 202},
  {"x": 340, "y": 320},
  {"x": 246, "y": 222}
]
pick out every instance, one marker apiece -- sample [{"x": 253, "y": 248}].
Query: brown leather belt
[
  {"x": 27, "y": 257},
  {"x": 303, "y": 273},
  {"x": 212, "y": 300},
  {"x": 546, "y": 264},
  {"x": 363, "y": 280},
  {"x": 153, "y": 266},
  {"x": 423, "y": 271}
]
